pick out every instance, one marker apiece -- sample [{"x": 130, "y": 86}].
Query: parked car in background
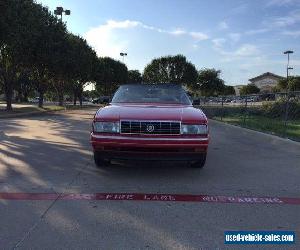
[
  {"x": 150, "y": 122},
  {"x": 250, "y": 99},
  {"x": 196, "y": 101},
  {"x": 101, "y": 100},
  {"x": 267, "y": 97},
  {"x": 34, "y": 100},
  {"x": 227, "y": 100}
]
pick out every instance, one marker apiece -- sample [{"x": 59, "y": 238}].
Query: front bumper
[{"x": 135, "y": 147}]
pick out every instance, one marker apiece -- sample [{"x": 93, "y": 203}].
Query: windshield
[{"x": 151, "y": 93}]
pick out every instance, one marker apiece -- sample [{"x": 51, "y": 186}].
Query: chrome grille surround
[{"x": 146, "y": 127}]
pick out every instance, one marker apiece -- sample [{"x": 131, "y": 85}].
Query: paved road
[{"x": 51, "y": 154}]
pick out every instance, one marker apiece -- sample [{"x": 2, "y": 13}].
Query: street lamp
[
  {"x": 123, "y": 55},
  {"x": 60, "y": 10},
  {"x": 288, "y": 52}
]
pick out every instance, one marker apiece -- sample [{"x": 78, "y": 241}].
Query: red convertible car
[{"x": 150, "y": 122}]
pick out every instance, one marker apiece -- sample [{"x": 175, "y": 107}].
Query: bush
[
  {"x": 277, "y": 109},
  {"x": 274, "y": 110},
  {"x": 212, "y": 111}
]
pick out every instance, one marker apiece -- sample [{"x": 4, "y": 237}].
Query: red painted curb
[{"x": 151, "y": 197}]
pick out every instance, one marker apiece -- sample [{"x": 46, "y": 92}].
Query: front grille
[{"x": 150, "y": 127}]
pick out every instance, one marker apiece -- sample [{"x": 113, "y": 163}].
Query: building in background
[
  {"x": 237, "y": 89},
  {"x": 266, "y": 81}
]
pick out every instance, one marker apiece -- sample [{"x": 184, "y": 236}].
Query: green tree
[
  {"x": 282, "y": 84},
  {"x": 44, "y": 67},
  {"x": 249, "y": 89},
  {"x": 210, "y": 82},
  {"x": 82, "y": 59},
  {"x": 134, "y": 76},
  {"x": 24, "y": 86},
  {"x": 171, "y": 69},
  {"x": 26, "y": 42},
  {"x": 110, "y": 75},
  {"x": 275, "y": 89},
  {"x": 293, "y": 84},
  {"x": 91, "y": 94},
  {"x": 228, "y": 90}
]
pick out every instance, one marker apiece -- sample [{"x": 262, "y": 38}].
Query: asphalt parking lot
[{"x": 52, "y": 154}]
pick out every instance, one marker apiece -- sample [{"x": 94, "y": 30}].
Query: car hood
[{"x": 183, "y": 113}]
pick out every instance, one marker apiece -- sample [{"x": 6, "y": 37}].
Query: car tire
[
  {"x": 200, "y": 163},
  {"x": 100, "y": 161}
]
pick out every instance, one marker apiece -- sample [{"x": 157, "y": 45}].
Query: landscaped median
[
  {"x": 30, "y": 110},
  {"x": 269, "y": 118}
]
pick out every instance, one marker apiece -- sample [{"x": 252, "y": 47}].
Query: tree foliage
[
  {"x": 249, "y": 89},
  {"x": 38, "y": 54},
  {"x": 293, "y": 84},
  {"x": 111, "y": 74},
  {"x": 28, "y": 41},
  {"x": 210, "y": 82},
  {"x": 134, "y": 76},
  {"x": 228, "y": 90},
  {"x": 170, "y": 69}
]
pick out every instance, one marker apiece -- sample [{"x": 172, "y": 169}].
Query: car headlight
[
  {"x": 194, "y": 129},
  {"x": 106, "y": 127}
]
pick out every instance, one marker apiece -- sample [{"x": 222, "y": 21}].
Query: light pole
[
  {"x": 288, "y": 52},
  {"x": 59, "y": 12},
  {"x": 123, "y": 54}
]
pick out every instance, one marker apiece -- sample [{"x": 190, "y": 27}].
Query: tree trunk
[
  {"x": 80, "y": 98},
  {"x": 75, "y": 97},
  {"x": 61, "y": 99},
  {"x": 19, "y": 96},
  {"x": 105, "y": 88},
  {"x": 25, "y": 97},
  {"x": 8, "y": 88},
  {"x": 41, "y": 99}
]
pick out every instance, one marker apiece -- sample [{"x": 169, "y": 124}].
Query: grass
[
  {"x": 34, "y": 109},
  {"x": 52, "y": 108},
  {"x": 256, "y": 118},
  {"x": 30, "y": 109},
  {"x": 72, "y": 107},
  {"x": 265, "y": 124}
]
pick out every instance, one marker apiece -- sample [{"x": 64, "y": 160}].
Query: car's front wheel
[
  {"x": 200, "y": 163},
  {"x": 100, "y": 161}
]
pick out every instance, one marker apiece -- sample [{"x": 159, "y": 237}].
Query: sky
[{"x": 243, "y": 39}]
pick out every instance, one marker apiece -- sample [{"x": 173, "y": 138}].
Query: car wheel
[
  {"x": 200, "y": 163},
  {"x": 100, "y": 161}
]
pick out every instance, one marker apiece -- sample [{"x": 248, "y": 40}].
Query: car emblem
[{"x": 150, "y": 128}]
